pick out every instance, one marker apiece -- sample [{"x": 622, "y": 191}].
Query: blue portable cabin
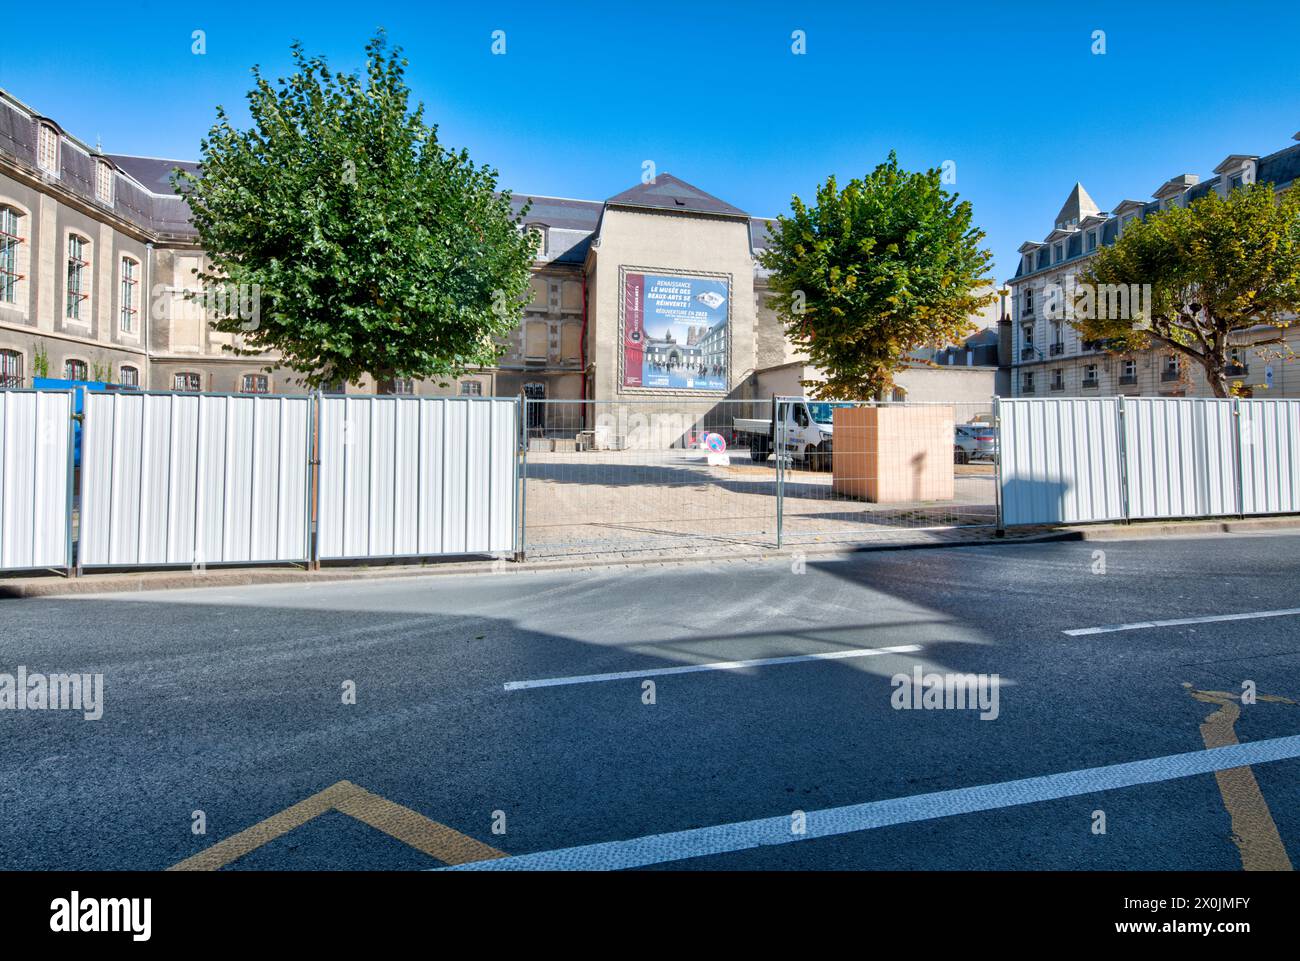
[{"x": 78, "y": 403}]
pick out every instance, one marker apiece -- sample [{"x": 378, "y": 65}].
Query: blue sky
[{"x": 587, "y": 91}]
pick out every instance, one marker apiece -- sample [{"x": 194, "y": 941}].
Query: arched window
[
  {"x": 255, "y": 384},
  {"x": 74, "y": 369},
  {"x": 187, "y": 381},
  {"x": 78, "y": 288},
  {"x": 128, "y": 376},
  {"x": 11, "y": 241},
  {"x": 11, "y": 368}
]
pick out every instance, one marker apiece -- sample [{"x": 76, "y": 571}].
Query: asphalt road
[{"x": 230, "y": 702}]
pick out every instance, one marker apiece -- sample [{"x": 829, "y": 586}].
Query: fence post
[
  {"x": 1001, "y": 529},
  {"x": 521, "y": 478},
  {"x": 74, "y": 569},
  {"x": 315, "y": 417},
  {"x": 521, "y": 471},
  {"x": 1121, "y": 419},
  {"x": 1241, "y": 471},
  {"x": 80, "y": 493},
  {"x": 778, "y": 436}
]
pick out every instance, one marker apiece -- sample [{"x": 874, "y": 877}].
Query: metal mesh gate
[
  {"x": 892, "y": 468},
  {"x": 605, "y": 476},
  {"x": 695, "y": 476}
]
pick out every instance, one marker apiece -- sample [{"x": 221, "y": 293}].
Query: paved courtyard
[{"x": 620, "y": 501}]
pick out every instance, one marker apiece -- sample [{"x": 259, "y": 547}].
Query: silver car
[{"x": 974, "y": 442}]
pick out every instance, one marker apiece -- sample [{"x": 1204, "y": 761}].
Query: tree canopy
[
  {"x": 1210, "y": 269},
  {"x": 371, "y": 247},
  {"x": 872, "y": 273}
]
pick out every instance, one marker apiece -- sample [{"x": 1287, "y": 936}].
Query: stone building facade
[{"x": 1049, "y": 358}]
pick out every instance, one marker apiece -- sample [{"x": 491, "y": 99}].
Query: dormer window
[
  {"x": 1092, "y": 240},
  {"x": 47, "y": 148},
  {"x": 104, "y": 181},
  {"x": 1235, "y": 181},
  {"x": 1058, "y": 252}
]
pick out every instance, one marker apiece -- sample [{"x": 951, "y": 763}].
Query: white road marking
[
  {"x": 717, "y": 666},
  {"x": 828, "y": 822},
  {"x": 1176, "y": 622}
]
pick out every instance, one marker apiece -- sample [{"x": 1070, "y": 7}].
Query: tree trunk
[{"x": 1216, "y": 374}]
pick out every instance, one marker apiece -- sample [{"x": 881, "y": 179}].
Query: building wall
[
  {"x": 38, "y": 320},
  {"x": 1062, "y": 371},
  {"x": 636, "y": 239},
  {"x": 956, "y": 385}
]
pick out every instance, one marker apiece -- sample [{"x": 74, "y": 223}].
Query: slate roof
[
  {"x": 154, "y": 173},
  {"x": 1077, "y": 206},
  {"x": 670, "y": 193},
  {"x": 1280, "y": 168},
  {"x": 144, "y": 196},
  {"x": 138, "y": 196}
]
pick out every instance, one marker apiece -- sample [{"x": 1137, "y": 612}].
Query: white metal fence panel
[
  {"x": 194, "y": 479},
  {"x": 1270, "y": 456},
  {"x": 1181, "y": 457},
  {"x": 35, "y": 478},
  {"x": 416, "y": 476},
  {"x": 1060, "y": 461}
]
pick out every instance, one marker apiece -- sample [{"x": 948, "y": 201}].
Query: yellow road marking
[
  {"x": 1253, "y": 828},
  {"x": 409, "y": 827}
]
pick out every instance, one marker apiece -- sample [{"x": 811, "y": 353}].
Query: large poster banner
[{"x": 675, "y": 332}]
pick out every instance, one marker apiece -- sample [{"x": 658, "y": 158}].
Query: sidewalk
[{"x": 125, "y": 582}]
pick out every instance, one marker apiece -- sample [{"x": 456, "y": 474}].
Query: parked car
[{"x": 974, "y": 442}]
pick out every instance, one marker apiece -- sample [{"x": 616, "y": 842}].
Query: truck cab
[{"x": 803, "y": 427}]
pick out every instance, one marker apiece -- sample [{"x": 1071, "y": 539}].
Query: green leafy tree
[
  {"x": 874, "y": 272},
  {"x": 367, "y": 247},
  {"x": 1212, "y": 268}
]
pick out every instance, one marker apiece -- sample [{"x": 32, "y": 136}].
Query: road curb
[{"x": 120, "y": 583}]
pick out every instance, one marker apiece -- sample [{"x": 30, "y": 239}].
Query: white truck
[{"x": 806, "y": 427}]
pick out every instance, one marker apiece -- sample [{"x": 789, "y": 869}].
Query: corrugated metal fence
[
  {"x": 35, "y": 479},
  {"x": 194, "y": 479},
  {"x": 412, "y": 476},
  {"x": 171, "y": 479},
  {"x": 1078, "y": 460},
  {"x": 1060, "y": 461}
]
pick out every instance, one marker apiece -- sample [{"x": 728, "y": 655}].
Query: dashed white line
[
  {"x": 717, "y": 666},
  {"x": 1177, "y": 622}
]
